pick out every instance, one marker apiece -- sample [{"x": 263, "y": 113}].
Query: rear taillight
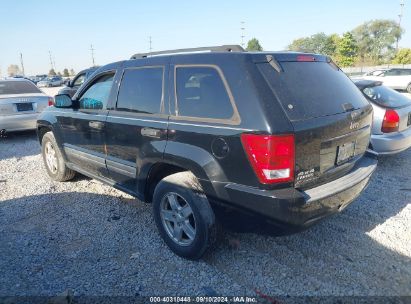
[
  {"x": 271, "y": 156},
  {"x": 51, "y": 102},
  {"x": 391, "y": 122}
]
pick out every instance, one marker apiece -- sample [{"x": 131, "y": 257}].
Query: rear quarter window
[
  {"x": 312, "y": 89},
  {"x": 200, "y": 92}
]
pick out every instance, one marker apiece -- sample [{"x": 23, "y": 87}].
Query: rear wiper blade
[{"x": 274, "y": 63}]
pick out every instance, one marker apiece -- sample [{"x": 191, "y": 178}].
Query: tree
[
  {"x": 254, "y": 45},
  {"x": 376, "y": 40},
  {"x": 66, "y": 73},
  {"x": 346, "y": 50},
  {"x": 318, "y": 43},
  {"x": 52, "y": 72},
  {"x": 13, "y": 70},
  {"x": 72, "y": 73},
  {"x": 403, "y": 57}
]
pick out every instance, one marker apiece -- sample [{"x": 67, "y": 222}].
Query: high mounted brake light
[
  {"x": 271, "y": 156},
  {"x": 305, "y": 58},
  {"x": 391, "y": 122}
]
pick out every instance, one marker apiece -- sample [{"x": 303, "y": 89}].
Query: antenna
[
  {"x": 92, "y": 54},
  {"x": 21, "y": 62},
  {"x": 402, "y": 4},
  {"x": 242, "y": 33},
  {"x": 150, "y": 44}
]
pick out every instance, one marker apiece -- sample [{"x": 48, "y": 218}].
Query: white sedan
[{"x": 397, "y": 79}]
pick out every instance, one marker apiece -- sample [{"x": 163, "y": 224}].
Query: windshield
[
  {"x": 313, "y": 89},
  {"x": 17, "y": 87},
  {"x": 386, "y": 97}
]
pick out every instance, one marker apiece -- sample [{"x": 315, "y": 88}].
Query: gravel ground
[{"x": 94, "y": 240}]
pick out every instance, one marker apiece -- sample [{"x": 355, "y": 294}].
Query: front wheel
[
  {"x": 53, "y": 159},
  {"x": 183, "y": 215}
]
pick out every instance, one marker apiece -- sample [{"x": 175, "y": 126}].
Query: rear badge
[
  {"x": 354, "y": 125},
  {"x": 303, "y": 175}
]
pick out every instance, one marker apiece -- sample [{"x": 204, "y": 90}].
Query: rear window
[
  {"x": 17, "y": 87},
  {"x": 386, "y": 97},
  {"x": 313, "y": 89}
]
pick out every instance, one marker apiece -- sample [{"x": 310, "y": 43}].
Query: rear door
[
  {"x": 136, "y": 127},
  {"x": 83, "y": 127},
  {"x": 330, "y": 116}
]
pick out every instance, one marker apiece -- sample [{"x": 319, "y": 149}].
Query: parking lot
[{"x": 91, "y": 239}]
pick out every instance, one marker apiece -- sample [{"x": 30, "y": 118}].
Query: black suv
[
  {"x": 283, "y": 135},
  {"x": 78, "y": 80}
]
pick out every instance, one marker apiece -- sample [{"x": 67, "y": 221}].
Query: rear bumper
[
  {"x": 295, "y": 208},
  {"x": 391, "y": 143},
  {"x": 18, "y": 122}
]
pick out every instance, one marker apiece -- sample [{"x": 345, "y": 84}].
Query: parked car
[
  {"x": 391, "y": 131},
  {"x": 282, "y": 135},
  {"x": 72, "y": 86},
  {"x": 20, "y": 103},
  {"x": 398, "y": 79},
  {"x": 54, "y": 81}
]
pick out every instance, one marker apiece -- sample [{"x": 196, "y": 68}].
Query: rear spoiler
[{"x": 275, "y": 59}]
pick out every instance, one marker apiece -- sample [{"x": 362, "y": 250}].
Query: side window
[
  {"x": 141, "y": 90},
  {"x": 79, "y": 80},
  {"x": 201, "y": 93},
  {"x": 96, "y": 96}
]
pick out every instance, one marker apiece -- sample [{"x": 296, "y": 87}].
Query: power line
[{"x": 92, "y": 54}]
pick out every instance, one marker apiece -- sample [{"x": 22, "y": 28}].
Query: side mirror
[{"x": 63, "y": 101}]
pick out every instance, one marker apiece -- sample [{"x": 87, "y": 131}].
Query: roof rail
[{"x": 221, "y": 48}]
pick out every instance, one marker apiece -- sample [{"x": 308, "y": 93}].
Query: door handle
[
  {"x": 96, "y": 124},
  {"x": 150, "y": 132}
]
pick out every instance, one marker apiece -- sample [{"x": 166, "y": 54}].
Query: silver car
[
  {"x": 20, "y": 103},
  {"x": 55, "y": 81},
  {"x": 391, "y": 131}
]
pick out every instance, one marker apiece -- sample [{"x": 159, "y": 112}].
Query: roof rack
[{"x": 221, "y": 48}]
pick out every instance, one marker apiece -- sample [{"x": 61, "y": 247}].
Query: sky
[{"x": 119, "y": 29}]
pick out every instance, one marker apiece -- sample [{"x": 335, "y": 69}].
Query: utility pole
[
  {"x": 402, "y": 4},
  {"x": 21, "y": 62},
  {"x": 92, "y": 54},
  {"x": 51, "y": 61},
  {"x": 242, "y": 33},
  {"x": 150, "y": 43}
]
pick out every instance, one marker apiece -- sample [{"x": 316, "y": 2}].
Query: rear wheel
[
  {"x": 53, "y": 159},
  {"x": 183, "y": 215}
]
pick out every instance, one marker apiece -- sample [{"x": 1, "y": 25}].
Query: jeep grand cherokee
[{"x": 280, "y": 134}]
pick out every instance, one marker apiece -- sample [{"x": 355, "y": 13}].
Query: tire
[
  {"x": 186, "y": 190},
  {"x": 409, "y": 88},
  {"x": 56, "y": 167}
]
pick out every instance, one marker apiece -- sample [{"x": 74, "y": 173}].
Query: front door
[{"x": 83, "y": 127}]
